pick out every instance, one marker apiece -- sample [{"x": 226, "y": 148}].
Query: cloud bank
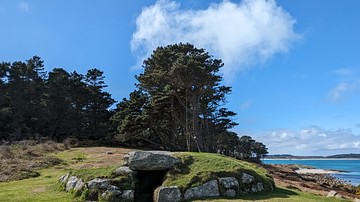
[
  {"x": 312, "y": 140},
  {"x": 241, "y": 34}
]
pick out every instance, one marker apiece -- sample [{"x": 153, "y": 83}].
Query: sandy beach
[{"x": 316, "y": 171}]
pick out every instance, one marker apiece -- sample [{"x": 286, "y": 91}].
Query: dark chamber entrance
[{"x": 148, "y": 181}]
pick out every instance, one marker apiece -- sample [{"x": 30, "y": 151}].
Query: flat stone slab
[{"x": 151, "y": 160}]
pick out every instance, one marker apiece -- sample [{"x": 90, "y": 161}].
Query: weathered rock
[
  {"x": 126, "y": 160},
  {"x": 127, "y": 195},
  {"x": 79, "y": 185},
  {"x": 230, "y": 193},
  {"x": 332, "y": 193},
  {"x": 229, "y": 182},
  {"x": 166, "y": 194},
  {"x": 151, "y": 160},
  {"x": 247, "y": 179},
  {"x": 71, "y": 183},
  {"x": 123, "y": 170},
  {"x": 209, "y": 189},
  {"x": 99, "y": 183},
  {"x": 111, "y": 195},
  {"x": 259, "y": 187},
  {"x": 64, "y": 178}
]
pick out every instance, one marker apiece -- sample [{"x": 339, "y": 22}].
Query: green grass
[
  {"x": 42, "y": 188},
  {"x": 279, "y": 195},
  {"x": 198, "y": 168}
]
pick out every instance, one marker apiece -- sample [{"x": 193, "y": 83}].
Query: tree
[
  {"x": 98, "y": 101},
  {"x": 184, "y": 95},
  {"x": 26, "y": 84},
  {"x": 6, "y": 116},
  {"x": 60, "y": 111}
]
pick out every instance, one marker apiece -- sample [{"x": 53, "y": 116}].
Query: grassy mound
[{"x": 198, "y": 168}]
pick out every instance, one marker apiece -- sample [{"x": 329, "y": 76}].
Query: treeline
[
  {"x": 178, "y": 105},
  {"x": 56, "y": 105}
]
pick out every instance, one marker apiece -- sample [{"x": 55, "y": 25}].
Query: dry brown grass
[{"x": 21, "y": 160}]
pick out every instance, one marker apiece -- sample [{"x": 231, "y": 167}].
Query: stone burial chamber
[
  {"x": 151, "y": 168},
  {"x": 141, "y": 178}
]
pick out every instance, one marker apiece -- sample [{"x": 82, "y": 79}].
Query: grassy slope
[
  {"x": 44, "y": 188},
  {"x": 199, "y": 168}
]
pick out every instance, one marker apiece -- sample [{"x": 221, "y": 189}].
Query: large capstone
[{"x": 151, "y": 160}]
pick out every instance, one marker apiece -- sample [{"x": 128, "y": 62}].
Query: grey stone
[
  {"x": 209, "y": 189},
  {"x": 98, "y": 183},
  {"x": 126, "y": 160},
  {"x": 151, "y": 160},
  {"x": 71, "y": 183},
  {"x": 79, "y": 185},
  {"x": 230, "y": 193},
  {"x": 247, "y": 179},
  {"x": 229, "y": 182},
  {"x": 112, "y": 187},
  {"x": 259, "y": 187},
  {"x": 167, "y": 194},
  {"x": 123, "y": 170},
  {"x": 64, "y": 178},
  {"x": 111, "y": 195},
  {"x": 127, "y": 195},
  {"x": 332, "y": 193}
]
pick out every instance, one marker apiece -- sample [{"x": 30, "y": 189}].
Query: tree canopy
[
  {"x": 177, "y": 105},
  {"x": 56, "y": 105}
]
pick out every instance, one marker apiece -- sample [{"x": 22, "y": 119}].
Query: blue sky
[{"x": 294, "y": 65}]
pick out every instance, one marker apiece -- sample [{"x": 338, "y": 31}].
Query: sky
[{"x": 294, "y": 66}]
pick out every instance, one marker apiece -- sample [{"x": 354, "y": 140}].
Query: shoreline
[
  {"x": 311, "y": 180},
  {"x": 317, "y": 171}
]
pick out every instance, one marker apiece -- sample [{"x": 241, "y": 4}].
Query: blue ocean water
[{"x": 351, "y": 167}]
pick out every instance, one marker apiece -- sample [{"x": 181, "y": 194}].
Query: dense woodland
[{"x": 178, "y": 105}]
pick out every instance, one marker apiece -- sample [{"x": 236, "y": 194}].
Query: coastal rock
[
  {"x": 166, "y": 194},
  {"x": 209, "y": 189},
  {"x": 247, "y": 179},
  {"x": 151, "y": 160}
]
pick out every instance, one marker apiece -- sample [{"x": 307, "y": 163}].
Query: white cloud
[
  {"x": 338, "y": 92},
  {"x": 241, "y": 34},
  {"x": 24, "y": 6},
  {"x": 310, "y": 141}
]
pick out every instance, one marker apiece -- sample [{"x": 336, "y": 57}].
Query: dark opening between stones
[{"x": 148, "y": 181}]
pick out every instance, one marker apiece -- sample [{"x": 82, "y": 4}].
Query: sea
[{"x": 351, "y": 167}]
